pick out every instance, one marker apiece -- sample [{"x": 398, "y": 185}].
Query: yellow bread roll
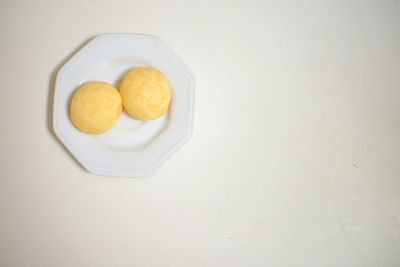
[
  {"x": 95, "y": 107},
  {"x": 146, "y": 93}
]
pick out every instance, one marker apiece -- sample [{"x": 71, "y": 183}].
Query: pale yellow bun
[
  {"x": 146, "y": 93},
  {"x": 95, "y": 107}
]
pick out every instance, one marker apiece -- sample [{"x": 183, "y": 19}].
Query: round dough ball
[
  {"x": 95, "y": 107},
  {"x": 146, "y": 93}
]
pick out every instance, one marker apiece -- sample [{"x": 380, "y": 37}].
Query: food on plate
[
  {"x": 146, "y": 93},
  {"x": 95, "y": 107}
]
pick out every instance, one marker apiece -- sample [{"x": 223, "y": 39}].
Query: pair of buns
[{"x": 145, "y": 93}]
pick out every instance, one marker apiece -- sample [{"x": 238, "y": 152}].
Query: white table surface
[{"x": 294, "y": 160}]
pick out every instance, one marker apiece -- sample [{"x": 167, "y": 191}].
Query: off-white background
[{"x": 294, "y": 160}]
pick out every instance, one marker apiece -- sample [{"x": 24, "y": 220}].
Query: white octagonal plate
[{"x": 131, "y": 148}]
